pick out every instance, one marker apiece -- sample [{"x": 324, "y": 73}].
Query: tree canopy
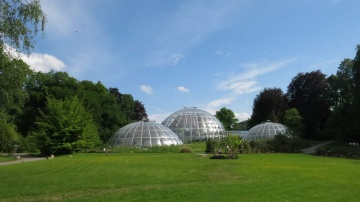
[
  {"x": 20, "y": 21},
  {"x": 308, "y": 92},
  {"x": 269, "y": 104},
  {"x": 64, "y": 126},
  {"x": 227, "y": 118}
]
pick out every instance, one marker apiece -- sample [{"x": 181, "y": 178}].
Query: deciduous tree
[
  {"x": 308, "y": 92},
  {"x": 227, "y": 118},
  {"x": 270, "y": 104},
  {"x": 293, "y": 121},
  {"x": 65, "y": 127},
  {"x": 20, "y": 21}
]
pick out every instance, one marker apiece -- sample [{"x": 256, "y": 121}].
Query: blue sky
[{"x": 204, "y": 53}]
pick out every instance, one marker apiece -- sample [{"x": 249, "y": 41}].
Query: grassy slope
[{"x": 182, "y": 177}]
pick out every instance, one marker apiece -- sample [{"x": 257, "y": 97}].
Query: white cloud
[
  {"x": 147, "y": 89},
  {"x": 242, "y": 116},
  {"x": 38, "y": 62},
  {"x": 219, "y": 102},
  {"x": 242, "y": 87},
  {"x": 246, "y": 82},
  {"x": 158, "y": 117},
  {"x": 175, "y": 59},
  {"x": 43, "y": 62},
  {"x": 183, "y": 89}
]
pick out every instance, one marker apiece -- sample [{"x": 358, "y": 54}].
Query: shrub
[
  {"x": 284, "y": 143},
  {"x": 339, "y": 150},
  {"x": 260, "y": 146},
  {"x": 245, "y": 147},
  {"x": 8, "y": 137},
  {"x": 185, "y": 150},
  {"x": 231, "y": 145},
  {"x": 212, "y": 145}
]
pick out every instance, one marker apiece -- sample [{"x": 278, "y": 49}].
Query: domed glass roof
[
  {"x": 192, "y": 124},
  {"x": 265, "y": 130},
  {"x": 144, "y": 134}
]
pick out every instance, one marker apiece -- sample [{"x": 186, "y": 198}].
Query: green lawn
[
  {"x": 182, "y": 177},
  {"x": 5, "y": 157}
]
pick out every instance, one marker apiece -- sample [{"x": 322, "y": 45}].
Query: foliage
[
  {"x": 39, "y": 86},
  {"x": 13, "y": 74},
  {"x": 307, "y": 92},
  {"x": 212, "y": 145},
  {"x": 231, "y": 145},
  {"x": 293, "y": 121},
  {"x": 185, "y": 150},
  {"x": 339, "y": 149},
  {"x": 227, "y": 118},
  {"x": 20, "y": 22},
  {"x": 355, "y": 135},
  {"x": 269, "y": 104},
  {"x": 260, "y": 146},
  {"x": 108, "y": 113},
  {"x": 139, "y": 111},
  {"x": 65, "y": 127},
  {"x": 133, "y": 109},
  {"x": 286, "y": 144},
  {"x": 245, "y": 147},
  {"x": 104, "y": 108},
  {"x": 8, "y": 137},
  {"x": 341, "y": 85},
  {"x": 344, "y": 121}
]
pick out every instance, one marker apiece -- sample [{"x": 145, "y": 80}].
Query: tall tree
[
  {"x": 270, "y": 104},
  {"x": 40, "y": 85},
  {"x": 293, "y": 121},
  {"x": 133, "y": 109},
  {"x": 341, "y": 85},
  {"x": 355, "y": 136},
  {"x": 13, "y": 74},
  {"x": 307, "y": 92},
  {"x": 341, "y": 96},
  {"x": 139, "y": 111},
  {"x": 19, "y": 23},
  {"x": 65, "y": 127},
  {"x": 103, "y": 106},
  {"x": 227, "y": 118}
]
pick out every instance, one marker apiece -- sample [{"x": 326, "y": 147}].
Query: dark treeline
[
  {"x": 55, "y": 113},
  {"x": 316, "y": 106}
]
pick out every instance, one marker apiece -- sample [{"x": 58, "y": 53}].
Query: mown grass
[
  {"x": 181, "y": 177},
  {"x": 196, "y": 147}
]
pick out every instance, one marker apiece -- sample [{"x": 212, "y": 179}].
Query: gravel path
[
  {"x": 312, "y": 150},
  {"x": 23, "y": 158}
]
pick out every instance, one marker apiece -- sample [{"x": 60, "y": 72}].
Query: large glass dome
[
  {"x": 265, "y": 130},
  {"x": 144, "y": 134},
  {"x": 193, "y": 124}
]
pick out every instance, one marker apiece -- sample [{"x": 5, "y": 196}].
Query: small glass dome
[
  {"x": 193, "y": 124},
  {"x": 144, "y": 134},
  {"x": 265, "y": 130}
]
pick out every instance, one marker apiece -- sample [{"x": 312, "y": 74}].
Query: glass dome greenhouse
[
  {"x": 265, "y": 130},
  {"x": 193, "y": 124},
  {"x": 144, "y": 134}
]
